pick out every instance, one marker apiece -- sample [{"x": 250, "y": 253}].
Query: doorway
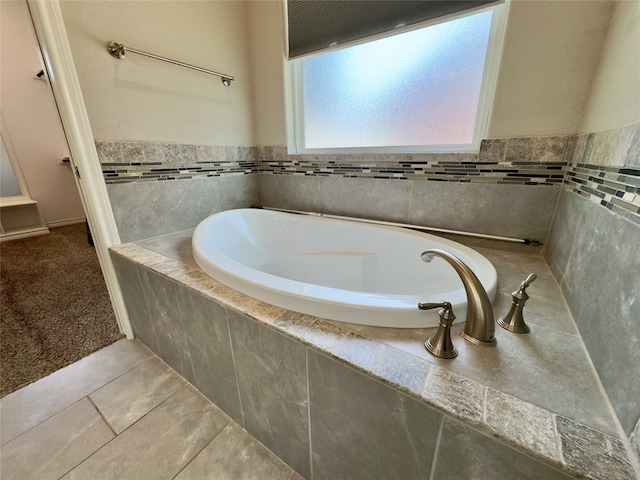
[{"x": 56, "y": 307}]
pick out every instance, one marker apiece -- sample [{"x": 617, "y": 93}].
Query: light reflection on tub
[{"x": 346, "y": 271}]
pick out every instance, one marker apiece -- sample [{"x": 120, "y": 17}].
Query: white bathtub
[{"x": 340, "y": 270}]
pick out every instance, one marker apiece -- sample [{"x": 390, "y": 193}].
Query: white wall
[
  {"x": 32, "y": 121},
  {"x": 268, "y": 62},
  {"x": 550, "y": 60},
  {"x": 615, "y": 96},
  {"x": 550, "y": 57},
  {"x": 143, "y": 99}
]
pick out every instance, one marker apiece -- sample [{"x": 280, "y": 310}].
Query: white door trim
[{"x": 54, "y": 43}]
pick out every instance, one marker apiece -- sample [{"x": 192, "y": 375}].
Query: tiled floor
[{"x": 121, "y": 413}]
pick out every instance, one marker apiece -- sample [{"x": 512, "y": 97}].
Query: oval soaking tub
[{"x": 336, "y": 269}]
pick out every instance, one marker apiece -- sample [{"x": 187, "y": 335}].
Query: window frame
[{"x": 295, "y": 130}]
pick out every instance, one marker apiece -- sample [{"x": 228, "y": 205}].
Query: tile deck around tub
[
  {"x": 123, "y": 413},
  {"x": 536, "y": 392}
]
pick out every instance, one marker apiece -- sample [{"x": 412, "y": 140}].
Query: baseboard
[
  {"x": 23, "y": 233},
  {"x": 69, "y": 221}
]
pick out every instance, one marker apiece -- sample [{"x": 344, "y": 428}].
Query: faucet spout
[{"x": 479, "y": 326}]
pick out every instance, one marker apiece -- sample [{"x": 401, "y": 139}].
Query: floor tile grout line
[
  {"x": 207, "y": 444},
  {"x": 73, "y": 402},
  {"x": 126, "y": 429},
  {"x": 115, "y": 434}
]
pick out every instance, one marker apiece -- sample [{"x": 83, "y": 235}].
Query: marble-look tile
[
  {"x": 634, "y": 439},
  {"x": 521, "y": 211},
  {"x": 171, "y": 152},
  {"x": 549, "y": 149},
  {"x": 365, "y": 198},
  {"x": 188, "y": 153},
  {"x": 466, "y": 454},
  {"x": 620, "y": 152},
  {"x": 295, "y": 192},
  {"x": 261, "y": 311},
  {"x": 350, "y": 436},
  {"x": 323, "y": 335},
  {"x": 566, "y": 225},
  {"x": 271, "y": 371},
  {"x": 546, "y": 305},
  {"x": 151, "y": 208},
  {"x": 572, "y": 142},
  {"x": 360, "y": 352},
  {"x": 579, "y": 149},
  {"x": 161, "y": 296},
  {"x": 109, "y": 152},
  {"x": 207, "y": 333},
  {"x": 176, "y": 246},
  {"x": 455, "y": 394},
  {"x": 205, "y": 153},
  {"x": 27, "y": 407},
  {"x": 608, "y": 460},
  {"x": 601, "y": 288},
  {"x": 153, "y": 152},
  {"x": 232, "y": 455},
  {"x": 604, "y": 145},
  {"x": 131, "y": 396},
  {"x": 553, "y": 361},
  {"x": 54, "y": 447},
  {"x": 519, "y": 149},
  {"x": 530, "y": 426},
  {"x": 403, "y": 370},
  {"x": 132, "y": 152},
  {"x": 633, "y": 156},
  {"x": 238, "y": 191},
  {"x": 492, "y": 150},
  {"x": 133, "y": 295},
  {"x": 589, "y": 148},
  {"x": 295, "y": 324},
  {"x": 160, "y": 444}
]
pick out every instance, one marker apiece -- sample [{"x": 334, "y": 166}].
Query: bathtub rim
[{"x": 363, "y": 308}]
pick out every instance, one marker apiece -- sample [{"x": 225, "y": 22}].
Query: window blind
[{"x": 317, "y": 24}]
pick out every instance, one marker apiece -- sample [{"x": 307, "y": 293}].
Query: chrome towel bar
[{"x": 118, "y": 50}]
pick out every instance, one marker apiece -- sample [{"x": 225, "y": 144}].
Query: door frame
[{"x": 56, "y": 52}]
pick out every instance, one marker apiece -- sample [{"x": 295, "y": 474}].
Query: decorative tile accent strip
[
  {"x": 522, "y": 161},
  {"x": 125, "y": 162},
  {"x": 615, "y": 188},
  {"x": 449, "y": 170},
  {"x": 605, "y": 168}
]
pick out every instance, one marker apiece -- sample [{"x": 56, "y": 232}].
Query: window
[{"x": 425, "y": 90}]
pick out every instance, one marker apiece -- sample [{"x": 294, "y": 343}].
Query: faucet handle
[
  {"x": 439, "y": 344},
  {"x": 528, "y": 281},
  {"x": 514, "y": 319}
]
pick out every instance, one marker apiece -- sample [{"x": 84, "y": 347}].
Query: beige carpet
[{"x": 55, "y": 307}]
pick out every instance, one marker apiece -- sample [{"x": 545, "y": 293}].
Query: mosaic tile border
[
  {"x": 126, "y": 162},
  {"x": 615, "y": 188},
  {"x": 522, "y": 161},
  {"x": 531, "y": 173}
]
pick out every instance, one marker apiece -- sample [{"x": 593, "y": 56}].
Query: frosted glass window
[{"x": 420, "y": 88}]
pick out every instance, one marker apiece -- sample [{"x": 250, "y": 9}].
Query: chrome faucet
[{"x": 479, "y": 326}]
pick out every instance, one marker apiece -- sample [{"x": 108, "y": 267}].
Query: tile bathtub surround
[
  {"x": 521, "y": 425},
  {"x": 158, "y": 188},
  {"x": 150, "y": 208},
  {"x": 592, "y": 252}
]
